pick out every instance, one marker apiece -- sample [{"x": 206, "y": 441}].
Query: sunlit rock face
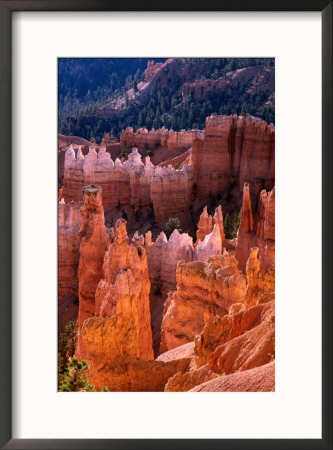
[
  {"x": 252, "y": 349},
  {"x": 210, "y": 246},
  {"x": 234, "y": 150},
  {"x": 260, "y": 284},
  {"x": 207, "y": 222},
  {"x": 259, "y": 379},
  {"x": 219, "y": 330},
  {"x": 93, "y": 242},
  {"x": 68, "y": 261},
  {"x": 163, "y": 255},
  {"x": 204, "y": 289}
]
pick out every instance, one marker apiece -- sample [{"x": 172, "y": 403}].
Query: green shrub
[
  {"x": 231, "y": 224},
  {"x": 173, "y": 224},
  {"x": 74, "y": 378}
]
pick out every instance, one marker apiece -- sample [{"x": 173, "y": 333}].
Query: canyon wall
[
  {"x": 171, "y": 192},
  {"x": 68, "y": 261},
  {"x": 234, "y": 150}
]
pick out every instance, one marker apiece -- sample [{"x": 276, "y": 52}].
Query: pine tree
[{"x": 74, "y": 379}]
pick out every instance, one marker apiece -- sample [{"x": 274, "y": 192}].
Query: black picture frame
[{"x": 6, "y": 9}]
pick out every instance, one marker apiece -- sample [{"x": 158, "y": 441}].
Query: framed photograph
[{"x": 166, "y": 236}]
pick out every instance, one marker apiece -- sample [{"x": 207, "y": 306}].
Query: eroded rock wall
[
  {"x": 68, "y": 261},
  {"x": 171, "y": 193},
  {"x": 234, "y": 150}
]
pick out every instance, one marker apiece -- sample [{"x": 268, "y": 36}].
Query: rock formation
[
  {"x": 162, "y": 137},
  {"x": 231, "y": 151},
  {"x": 204, "y": 289},
  {"x": 119, "y": 326},
  {"x": 73, "y": 175},
  {"x": 220, "y": 330},
  {"x": 260, "y": 285},
  {"x": 118, "y": 337},
  {"x": 234, "y": 150},
  {"x": 68, "y": 261},
  {"x": 245, "y": 229},
  {"x": 182, "y": 382},
  {"x": 207, "y": 222},
  {"x": 204, "y": 311},
  {"x": 260, "y": 379},
  {"x": 252, "y": 349},
  {"x": 93, "y": 241},
  {"x": 205, "y": 225},
  {"x": 163, "y": 255},
  {"x": 210, "y": 246},
  {"x": 264, "y": 237},
  {"x": 171, "y": 193}
]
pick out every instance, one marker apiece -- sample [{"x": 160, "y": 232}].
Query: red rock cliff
[{"x": 234, "y": 150}]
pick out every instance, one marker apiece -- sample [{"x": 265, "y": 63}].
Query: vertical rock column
[
  {"x": 245, "y": 229},
  {"x": 93, "y": 243}
]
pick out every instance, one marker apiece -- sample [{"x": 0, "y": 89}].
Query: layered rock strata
[
  {"x": 234, "y": 150},
  {"x": 204, "y": 289},
  {"x": 68, "y": 261},
  {"x": 231, "y": 151},
  {"x": 162, "y": 137},
  {"x": 244, "y": 234},
  {"x": 171, "y": 193},
  {"x": 260, "y": 379},
  {"x": 220, "y": 330}
]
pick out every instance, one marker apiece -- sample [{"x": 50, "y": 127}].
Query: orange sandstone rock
[
  {"x": 93, "y": 241},
  {"x": 260, "y": 287},
  {"x": 252, "y": 349},
  {"x": 205, "y": 225},
  {"x": 120, "y": 336},
  {"x": 204, "y": 289},
  {"x": 182, "y": 382},
  {"x": 219, "y": 330},
  {"x": 259, "y": 379}
]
